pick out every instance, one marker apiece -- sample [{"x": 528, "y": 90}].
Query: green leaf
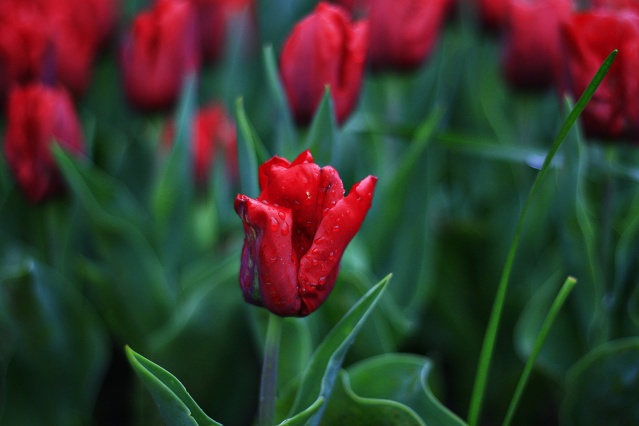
[
  {"x": 285, "y": 131},
  {"x": 175, "y": 185},
  {"x": 490, "y": 337},
  {"x": 403, "y": 379},
  {"x": 603, "y": 387},
  {"x": 250, "y": 151},
  {"x": 57, "y": 347},
  {"x": 303, "y": 417},
  {"x": 131, "y": 273},
  {"x": 348, "y": 408},
  {"x": 322, "y": 370},
  {"x": 174, "y": 402},
  {"x": 323, "y": 136}
]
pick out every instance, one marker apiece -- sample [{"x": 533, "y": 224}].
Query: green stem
[
  {"x": 488, "y": 345},
  {"x": 566, "y": 288},
  {"x": 268, "y": 386}
]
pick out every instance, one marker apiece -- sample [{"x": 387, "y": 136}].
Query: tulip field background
[{"x": 129, "y": 275}]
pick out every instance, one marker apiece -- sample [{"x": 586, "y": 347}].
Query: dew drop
[
  {"x": 274, "y": 224},
  {"x": 281, "y": 215},
  {"x": 331, "y": 256},
  {"x": 285, "y": 228},
  {"x": 322, "y": 280},
  {"x": 314, "y": 262},
  {"x": 320, "y": 240},
  {"x": 335, "y": 228},
  {"x": 273, "y": 259},
  {"x": 315, "y": 251}
]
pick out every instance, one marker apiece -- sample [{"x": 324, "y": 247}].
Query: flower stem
[{"x": 268, "y": 386}]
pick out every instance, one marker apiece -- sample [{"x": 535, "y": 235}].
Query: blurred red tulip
[
  {"x": 27, "y": 45},
  {"x": 160, "y": 51},
  {"x": 213, "y": 131},
  {"x": 532, "y": 57},
  {"x": 52, "y": 41},
  {"x": 325, "y": 48},
  {"x": 296, "y": 232},
  {"x": 404, "y": 33},
  {"x": 213, "y": 18},
  {"x": 38, "y": 115},
  {"x": 589, "y": 37}
]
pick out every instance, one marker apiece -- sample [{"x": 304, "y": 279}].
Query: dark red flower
[
  {"x": 296, "y": 232},
  {"x": 615, "y": 4},
  {"x": 213, "y": 131},
  {"x": 532, "y": 58},
  {"x": 52, "y": 41},
  {"x": 81, "y": 26},
  {"x": 36, "y": 116},
  {"x": 27, "y": 45},
  {"x": 161, "y": 50},
  {"x": 213, "y": 18},
  {"x": 325, "y": 48},
  {"x": 404, "y": 33},
  {"x": 493, "y": 14},
  {"x": 589, "y": 37}
]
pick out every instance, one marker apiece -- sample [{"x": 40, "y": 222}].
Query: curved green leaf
[
  {"x": 403, "y": 378},
  {"x": 174, "y": 402},
  {"x": 322, "y": 370},
  {"x": 303, "y": 417},
  {"x": 348, "y": 408}
]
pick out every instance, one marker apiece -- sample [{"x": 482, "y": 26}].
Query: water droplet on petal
[
  {"x": 335, "y": 228},
  {"x": 281, "y": 215},
  {"x": 285, "y": 228},
  {"x": 331, "y": 256},
  {"x": 273, "y": 259},
  {"x": 322, "y": 280},
  {"x": 314, "y": 262},
  {"x": 274, "y": 224},
  {"x": 320, "y": 240},
  {"x": 315, "y": 251}
]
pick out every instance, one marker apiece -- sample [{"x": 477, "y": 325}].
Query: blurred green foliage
[{"x": 135, "y": 255}]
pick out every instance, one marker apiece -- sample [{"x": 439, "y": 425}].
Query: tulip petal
[
  {"x": 319, "y": 266},
  {"x": 269, "y": 265}
]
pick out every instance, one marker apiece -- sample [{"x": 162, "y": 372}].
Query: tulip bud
[
  {"x": 27, "y": 50},
  {"x": 212, "y": 131},
  {"x": 296, "y": 232},
  {"x": 38, "y": 115},
  {"x": 589, "y": 37},
  {"x": 532, "y": 57},
  {"x": 160, "y": 52},
  {"x": 404, "y": 33},
  {"x": 325, "y": 48}
]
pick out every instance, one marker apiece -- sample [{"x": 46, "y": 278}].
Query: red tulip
[
  {"x": 589, "y": 37},
  {"x": 52, "y": 41},
  {"x": 296, "y": 232},
  {"x": 325, "y": 48},
  {"x": 81, "y": 26},
  {"x": 213, "y": 131},
  {"x": 532, "y": 57},
  {"x": 160, "y": 52},
  {"x": 27, "y": 48},
  {"x": 404, "y": 33},
  {"x": 213, "y": 19},
  {"x": 36, "y": 116}
]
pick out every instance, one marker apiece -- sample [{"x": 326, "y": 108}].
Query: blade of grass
[
  {"x": 490, "y": 337},
  {"x": 565, "y": 290}
]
